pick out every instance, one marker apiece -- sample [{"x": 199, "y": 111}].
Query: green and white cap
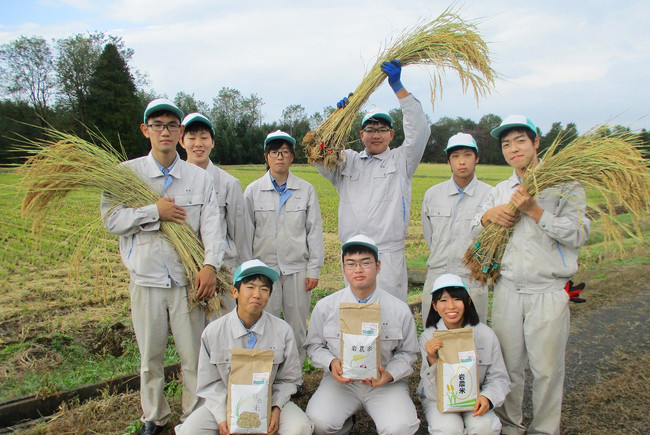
[
  {"x": 360, "y": 240},
  {"x": 197, "y": 117},
  {"x": 279, "y": 135},
  {"x": 514, "y": 121},
  {"x": 376, "y": 116},
  {"x": 461, "y": 140},
  {"x": 254, "y": 267},
  {"x": 162, "y": 104},
  {"x": 447, "y": 280}
]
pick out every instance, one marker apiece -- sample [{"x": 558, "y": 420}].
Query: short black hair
[
  {"x": 197, "y": 127},
  {"x": 461, "y": 147},
  {"x": 518, "y": 129},
  {"x": 265, "y": 279},
  {"x": 470, "y": 316},
  {"x": 359, "y": 249},
  {"x": 158, "y": 113}
]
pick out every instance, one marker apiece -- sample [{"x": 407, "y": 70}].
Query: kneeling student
[
  {"x": 452, "y": 308},
  {"x": 386, "y": 399},
  {"x": 248, "y": 326}
]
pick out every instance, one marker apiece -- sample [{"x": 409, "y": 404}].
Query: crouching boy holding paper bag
[
  {"x": 383, "y": 393},
  {"x": 443, "y": 392},
  {"x": 248, "y": 326}
]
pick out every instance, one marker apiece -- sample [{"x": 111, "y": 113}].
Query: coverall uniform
[
  {"x": 530, "y": 311},
  {"x": 389, "y": 405},
  {"x": 493, "y": 384},
  {"x": 158, "y": 283},
  {"x": 288, "y": 236},
  {"x": 446, "y": 220},
  {"x": 375, "y": 196},
  {"x": 217, "y": 342},
  {"x": 236, "y": 229}
]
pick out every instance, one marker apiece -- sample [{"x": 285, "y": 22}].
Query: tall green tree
[
  {"x": 27, "y": 68},
  {"x": 189, "y": 104},
  {"x": 113, "y": 104}
]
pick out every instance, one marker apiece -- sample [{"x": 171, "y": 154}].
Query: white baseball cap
[
  {"x": 197, "y": 117},
  {"x": 254, "y": 267},
  {"x": 461, "y": 140},
  {"x": 362, "y": 240},
  {"x": 447, "y": 280},
  {"x": 514, "y": 121},
  {"x": 162, "y": 104},
  {"x": 281, "y": 135},
  {"x": 377, "y": 115}
]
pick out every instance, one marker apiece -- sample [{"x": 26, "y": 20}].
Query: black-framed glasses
[
  {"x": 381, "y": 130},
  {"x": 352, "y": 265},
  {"x": 172, "y": 127},
  {"x": 275, "y": 153}
]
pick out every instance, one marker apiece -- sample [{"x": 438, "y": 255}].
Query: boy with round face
[
  {"x": 386, "y": 399},
  {"x": 248, "y": 325},
  {"x": 197, "y": 138},
  {"x": 447, "y": 211},
  {"x": 158, "y": 283},
  {"x": 287, "y": 233},
  {"x": 530, "y": 312},
  {"x": 374, "y": 185}
]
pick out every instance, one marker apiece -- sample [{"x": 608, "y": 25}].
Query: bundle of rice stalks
[
  {"x": 446, "y": 42},
  {"x": 612, "y": 165},
  {"x": 62, "y": 163}
]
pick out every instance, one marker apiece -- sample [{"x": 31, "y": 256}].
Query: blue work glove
[
  {"x": 344, "y": 102},
  {"x": 393, "y": 70}
]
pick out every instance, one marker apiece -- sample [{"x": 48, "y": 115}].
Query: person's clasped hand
[
  {"x": 344, "y": 102},
  {"x": 393, "y": 70}
]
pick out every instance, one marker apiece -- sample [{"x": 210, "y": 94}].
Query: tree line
[{"x": 85, "y": 82}]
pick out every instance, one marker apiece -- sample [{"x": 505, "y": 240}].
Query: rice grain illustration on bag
[
  {"x": 249, "y": 390},
  {"x": 360, "y": 345},
  {"x": 457, "y": 371}
]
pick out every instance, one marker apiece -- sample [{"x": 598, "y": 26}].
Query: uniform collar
[
  {"x": 239, "y": 330},
  {"x": 267, "y": 181},
  {"x": 382, "y": 156},
  {"x": 154, "y": 167},
  {"x": 452, "y": 187}
]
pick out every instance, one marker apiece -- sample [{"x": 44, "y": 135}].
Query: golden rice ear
[
  {"x": 63, "y": 163},
  {"x": 611, "y": 165},
  {"x": 448, "y": 42}
]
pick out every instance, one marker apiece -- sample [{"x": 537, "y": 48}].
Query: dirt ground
[{"x": 607, "y": 367}]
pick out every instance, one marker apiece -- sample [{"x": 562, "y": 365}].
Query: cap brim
[
  {"x": 163, "y": 107},
  {"x": 267, "y": 271},
  {"x": 355, "y": 243},
  {"x": 287, "y": 138},
  {"x": 496, "y": 133}
]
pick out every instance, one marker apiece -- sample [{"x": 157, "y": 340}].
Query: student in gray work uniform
[
  {"x": 530, "y": 307},
  {"x": 374, "y": 185},
  {"x": 248, "y": 326},
  {"x": 288, "y": 233},
  {"x": 158, "y": 285},
  {"x": 197, "y": 139},
  {"x": 386, "y": 399},
  {"x": 447, "y": 212}
]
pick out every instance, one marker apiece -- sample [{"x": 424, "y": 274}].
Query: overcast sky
[{"x": 570, "y": 61}]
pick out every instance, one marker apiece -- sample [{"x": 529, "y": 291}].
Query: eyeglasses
[
  {"x": 172, "y": 128},
  {"x": 352, "y": 265},
  {"x": 377, "y": 130},
  {"x": 275, "y": 153}
]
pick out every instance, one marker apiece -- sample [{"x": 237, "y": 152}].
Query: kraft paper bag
[
  {"x": 457, "y": 371},
  {"x": 360, "y": 344},
  {"x": 249, "y": 390}
]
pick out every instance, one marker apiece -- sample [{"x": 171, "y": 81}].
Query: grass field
[{"x": 63, "y": 326}]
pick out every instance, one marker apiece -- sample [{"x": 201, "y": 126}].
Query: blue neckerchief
[
  {"x": 363, "y": 301},
  {"x": 165, "y": 172},
  {"x": 282, "y": 191},
  {"x": 252, "y": 339}
]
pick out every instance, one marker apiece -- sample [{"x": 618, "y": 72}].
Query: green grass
[{"x": 41, "y": 299}]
